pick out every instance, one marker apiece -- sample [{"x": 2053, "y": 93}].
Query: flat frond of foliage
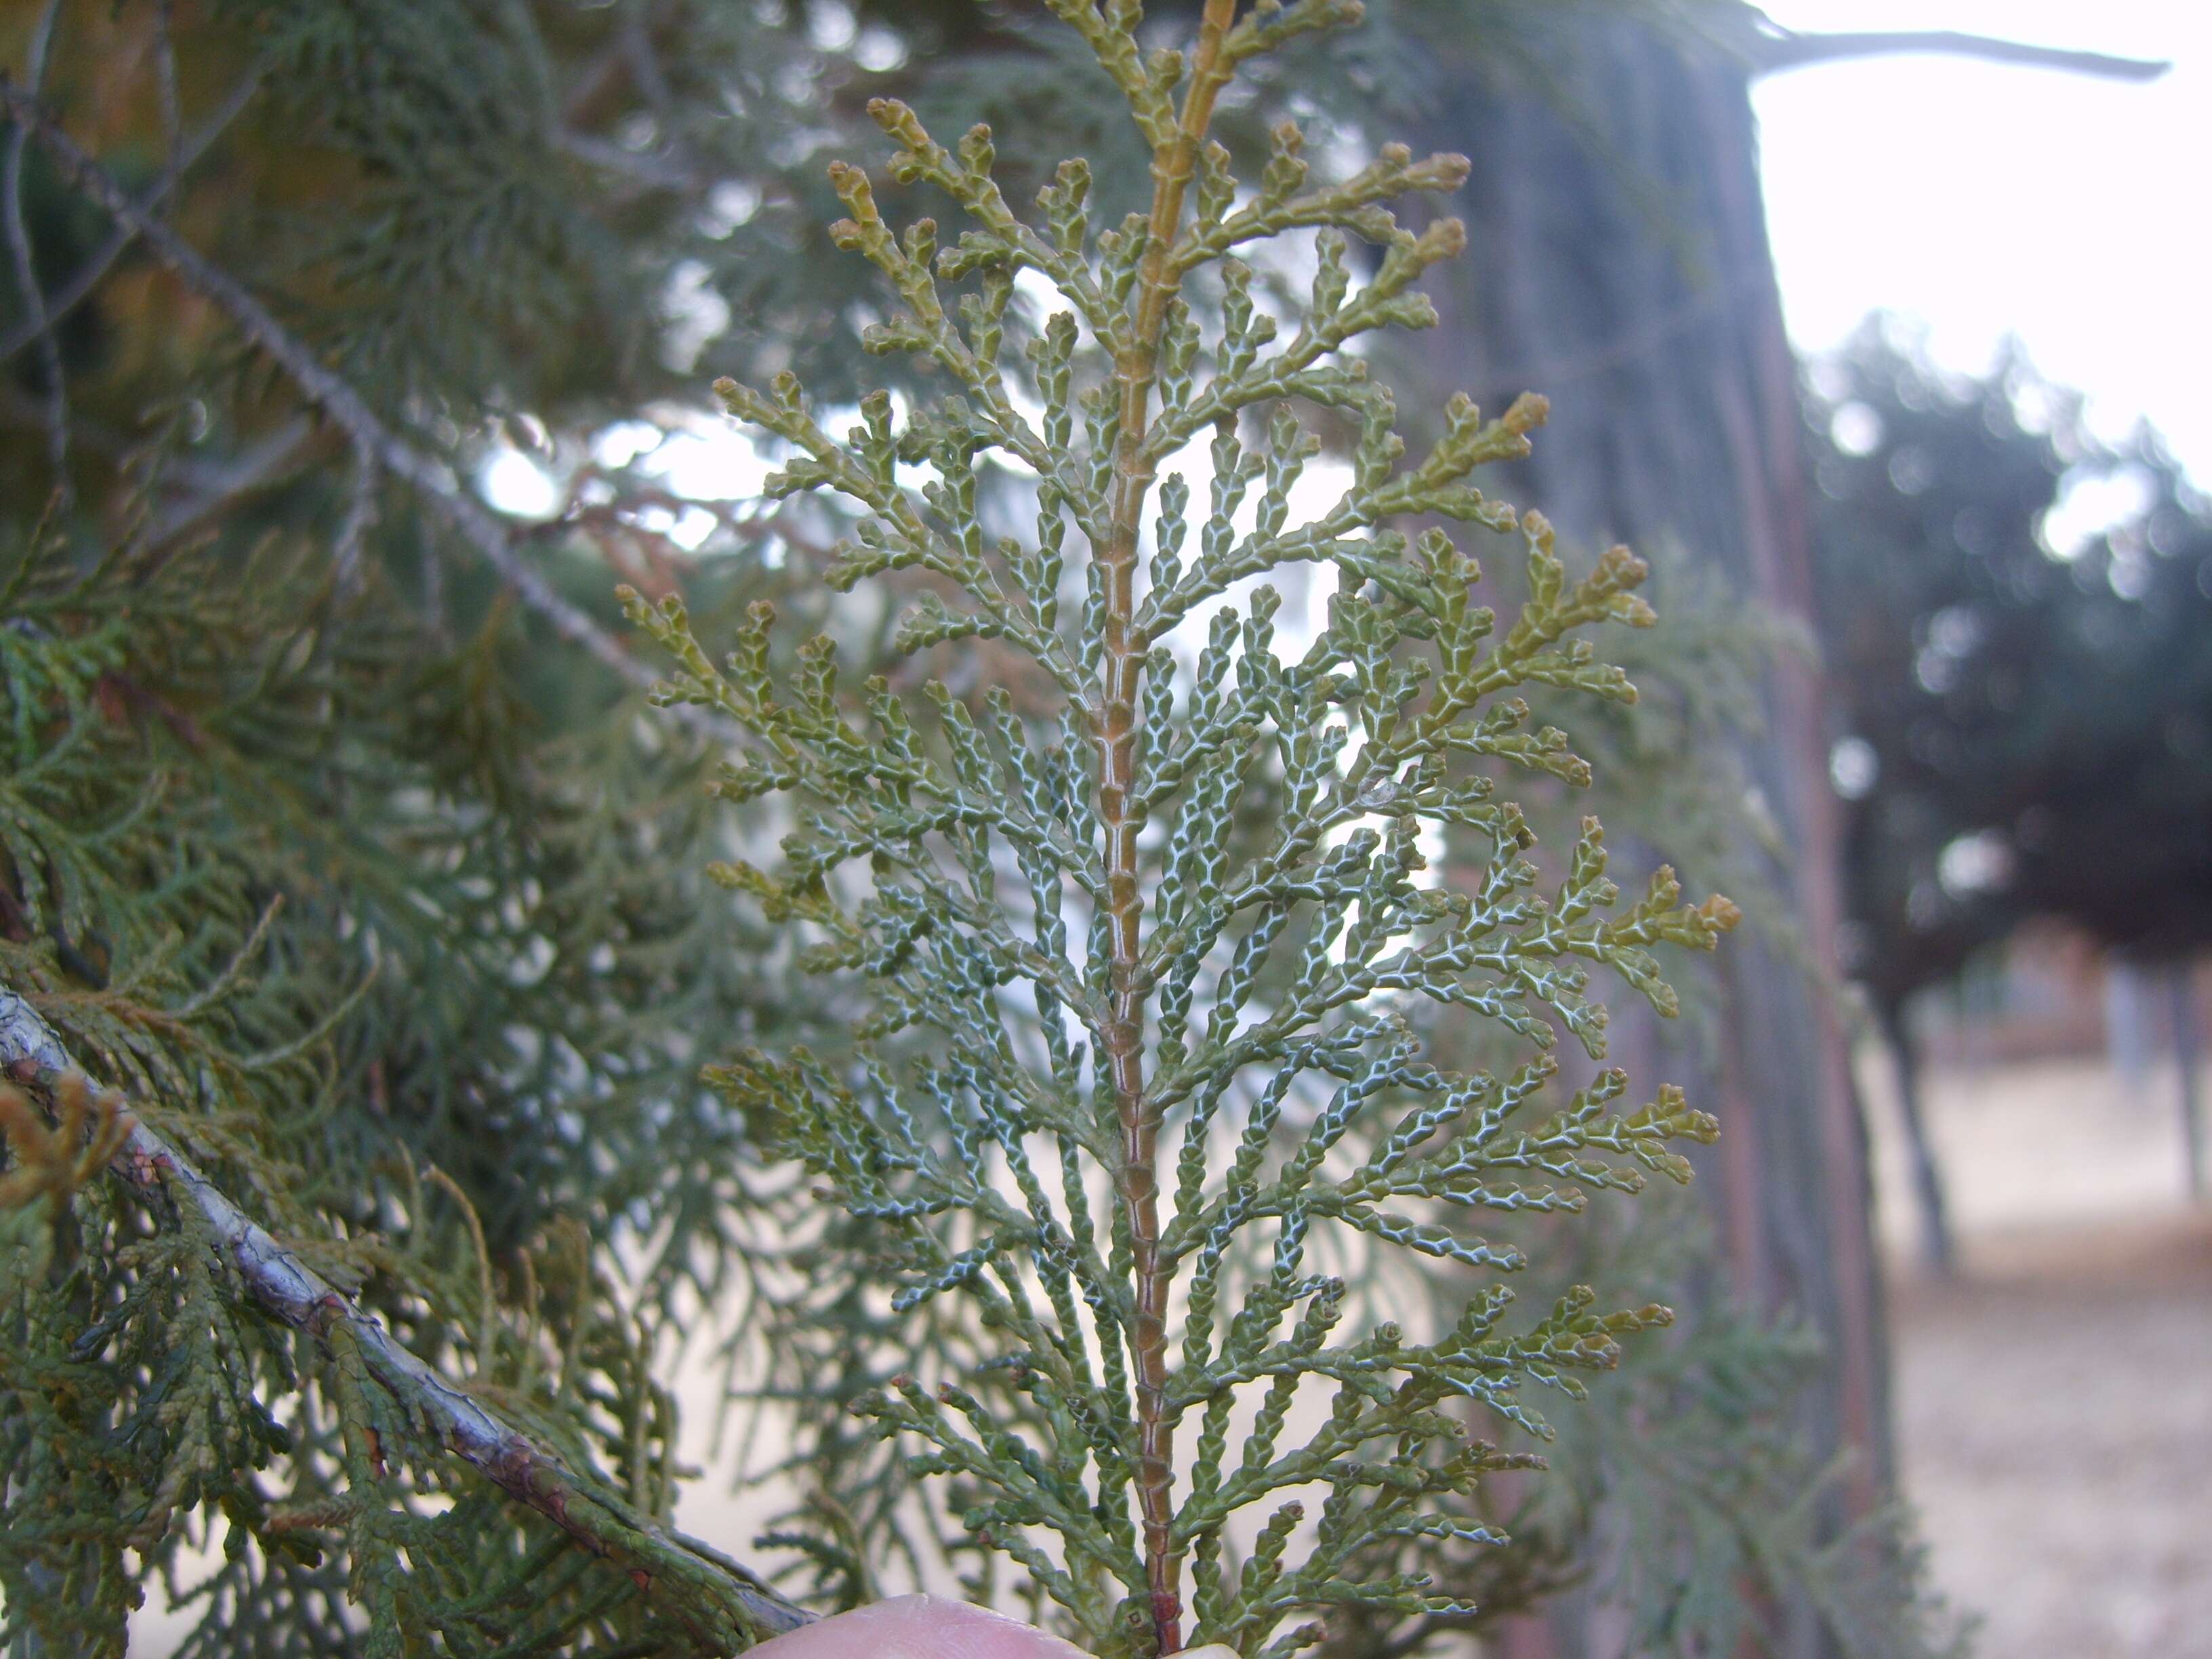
[{"x": 1145, "y": 959}]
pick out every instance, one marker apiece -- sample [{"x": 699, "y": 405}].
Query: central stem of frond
[{"x": 1121, "y": 818}]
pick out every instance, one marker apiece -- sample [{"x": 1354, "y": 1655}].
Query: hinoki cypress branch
[
  {"x": 1170, "y": 941},
  {"x": 719, "y": 1599}
]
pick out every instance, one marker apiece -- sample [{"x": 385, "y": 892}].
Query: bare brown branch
[
  {"x": 72, "y": 293},
  {"x": 1788, "y": 51},
  {"x": 23, "y": 263}
]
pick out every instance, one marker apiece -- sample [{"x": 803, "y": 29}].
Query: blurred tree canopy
[
  {"x": 2018, "y": 680},
  {"x": 2018, "y": 625}
]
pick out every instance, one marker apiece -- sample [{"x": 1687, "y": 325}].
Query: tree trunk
[
  {"x": 1619, "y": 263},
  {"x": 2181, "y": 989},
  {"x": 1903, "y": 1046}
]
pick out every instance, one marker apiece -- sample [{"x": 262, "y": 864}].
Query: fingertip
[{"x": 918, "y": 1627}]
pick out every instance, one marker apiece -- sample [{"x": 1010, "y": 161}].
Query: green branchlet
[{"x": 1213, "y": 883}]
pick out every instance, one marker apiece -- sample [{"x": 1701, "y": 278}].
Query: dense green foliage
[{"x": 405, "y": 980}]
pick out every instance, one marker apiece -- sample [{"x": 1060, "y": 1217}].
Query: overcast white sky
[{"x": 1986, "y": 199}]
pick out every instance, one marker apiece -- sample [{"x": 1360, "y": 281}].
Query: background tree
[
  {"x": 1628, "y": 263},
  {"x": 2009, "y": 691},
  {"x": 1624, "y": 260}
]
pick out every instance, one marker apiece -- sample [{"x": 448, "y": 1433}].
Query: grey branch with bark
[{"x": 716, "y": 1595}]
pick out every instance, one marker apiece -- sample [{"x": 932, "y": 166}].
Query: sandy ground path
[{"x": 2054, "y": 1399}]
